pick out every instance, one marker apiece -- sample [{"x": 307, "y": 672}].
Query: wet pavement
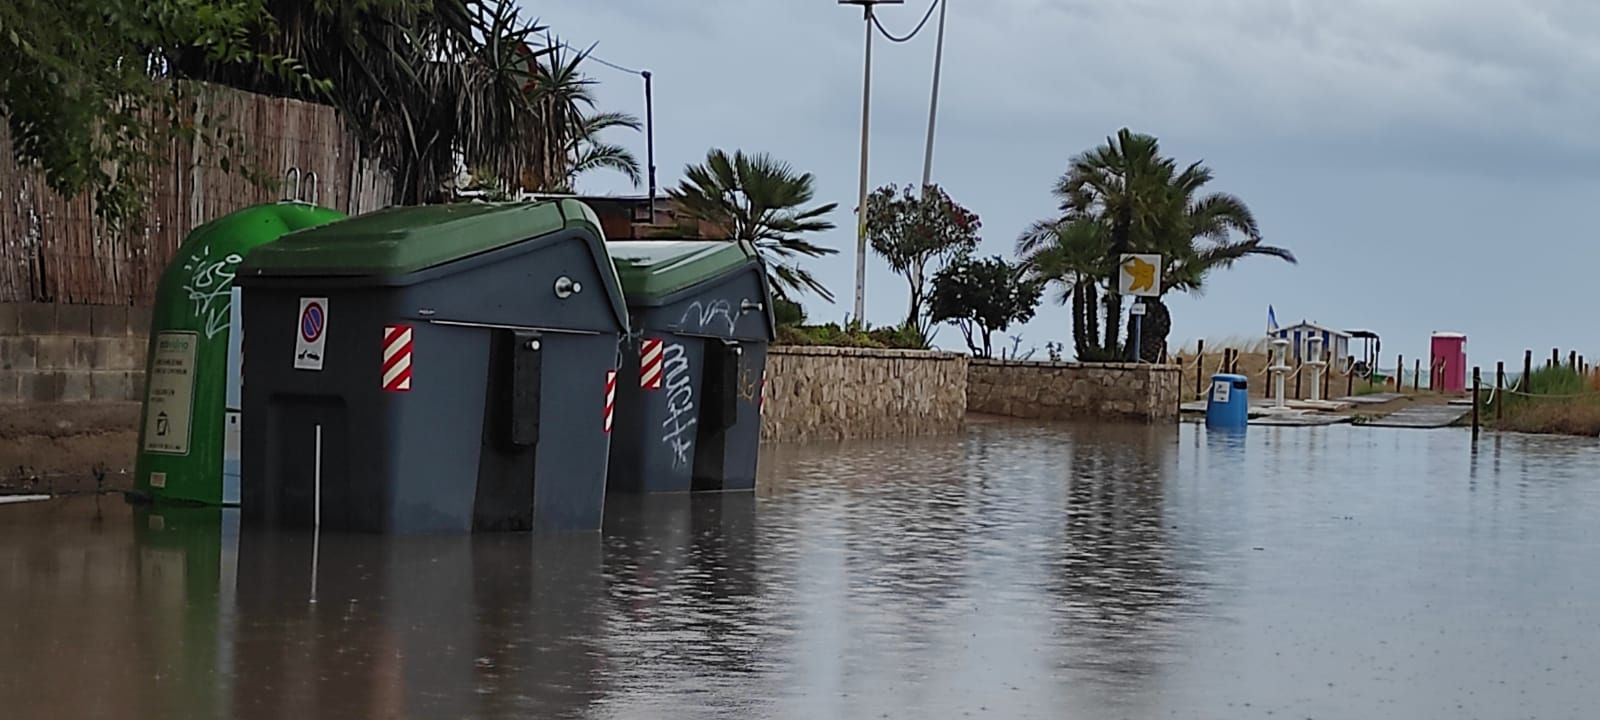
[{"x": 1018, "y": 571}]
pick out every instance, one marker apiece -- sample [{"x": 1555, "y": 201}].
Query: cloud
[{"x": 1310, "y": 109}]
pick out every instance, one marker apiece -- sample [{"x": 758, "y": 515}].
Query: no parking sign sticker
[{"x": 311, "y": 334}]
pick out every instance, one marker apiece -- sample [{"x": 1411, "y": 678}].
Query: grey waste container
[
  {"x": 444, "y": 368},
  {"x": 689, "y": 393}
]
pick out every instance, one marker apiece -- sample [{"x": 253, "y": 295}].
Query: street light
[{"x": 866, "y": 121}]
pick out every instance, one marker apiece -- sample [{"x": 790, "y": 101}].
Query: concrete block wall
[
  {"x": 1062, "y": 391},
  {"x": 72, "y": 353},
  {"x": 820, "y": 393}
]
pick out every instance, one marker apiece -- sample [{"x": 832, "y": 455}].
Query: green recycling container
[{"x": 189, "y": 426}]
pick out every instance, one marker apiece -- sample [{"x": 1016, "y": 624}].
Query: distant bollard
[{"x": 1228, "y": 403}]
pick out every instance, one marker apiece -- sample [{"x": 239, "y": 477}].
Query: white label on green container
[{"x": 169, "y": 401}]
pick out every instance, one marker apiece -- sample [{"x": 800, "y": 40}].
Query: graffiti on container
[
  {"x": 701, "y": 315},
  {"x": 749, "y": 383},
  {"x": 679, "y": 426},
  {"x": 210, "y": 289}
]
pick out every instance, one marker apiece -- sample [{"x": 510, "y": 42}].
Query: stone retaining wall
[
  {"x": 1059, "y": 391},
  {"x": 72, "y": 353},
  {"x": 815, "y": 393}
]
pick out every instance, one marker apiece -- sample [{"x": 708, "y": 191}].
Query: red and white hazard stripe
[
  {"x": 611, "y": 396},
  {"x": 651, "y": 354},
  {"x": 397, "y": 358}
]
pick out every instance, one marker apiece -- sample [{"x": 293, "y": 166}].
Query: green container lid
[
  {"x": 404, "y": 240},
  {"x": 654, "y": 270}
]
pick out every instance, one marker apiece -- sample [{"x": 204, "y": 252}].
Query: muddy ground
[{"x": 68, "y": 447}]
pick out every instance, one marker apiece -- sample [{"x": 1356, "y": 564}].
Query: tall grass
[{"x": 1554, "y": 400}]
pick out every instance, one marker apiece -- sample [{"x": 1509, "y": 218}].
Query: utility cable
[
  {"x": 925, "y": 17},
  {"x": 613, "y": 65},
  {"x": 589, "y": 55}
]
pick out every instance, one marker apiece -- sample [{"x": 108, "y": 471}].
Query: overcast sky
[{"x": 1435, "y": 164}]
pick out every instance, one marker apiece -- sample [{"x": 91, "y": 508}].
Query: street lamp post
[
  {"x": 933, "y": 103},
  {"x": 866, "y": 121},
  {"x": 650, "y": 139}
]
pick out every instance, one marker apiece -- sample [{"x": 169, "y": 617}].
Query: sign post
[
  {"x": 1137, "y": 311},
  {"x": 1140, "y": 276}
]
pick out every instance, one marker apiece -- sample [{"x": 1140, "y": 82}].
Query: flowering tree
[{"x": 913, "y": 229}]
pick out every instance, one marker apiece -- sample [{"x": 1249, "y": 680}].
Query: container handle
[
  {"x": 311, "y": 180},
  {"x": 291, "y": 182}
]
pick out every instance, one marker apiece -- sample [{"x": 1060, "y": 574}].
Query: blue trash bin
[{"x": 1228, "y": 403}]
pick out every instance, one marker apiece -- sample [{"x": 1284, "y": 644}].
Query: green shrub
[
  {"x": 832, "y": 335},
  {"x": 788, "y": 312}
]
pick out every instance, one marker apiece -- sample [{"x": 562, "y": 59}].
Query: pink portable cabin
[{"x": 1449, "y": 362}]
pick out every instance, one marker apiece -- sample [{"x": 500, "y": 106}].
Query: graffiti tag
[
  {"x": 701, "y": 314},
  {"x": 749, "y": 384},
  {"x": 210, "y": 289},
  {"x": 680, "y": 422}
]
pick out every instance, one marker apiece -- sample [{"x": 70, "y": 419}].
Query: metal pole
[
  {"x": 933, "y": 104},
  {"x": 650, "y": 141},
  {"x": 861, "y": 207},
  {"x": 1138, "y": 324}
]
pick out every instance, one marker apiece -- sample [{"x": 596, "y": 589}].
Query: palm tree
[
  {"x": 1197, "y": 232},
  {"x": 423, "y": 83},
  {"x": 590, "y": 153},
  {"x": 760, "y": 200},
  {"x": 568, "y": 143},
  {"x": 430, "y": 84},
  {"x": 1070, "y": 254},
  {"x": 1122, "y": 197},
  {"x": 1117, "y": 184}
]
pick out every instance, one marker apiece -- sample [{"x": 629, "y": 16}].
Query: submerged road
[{"x": 1017, "y": 571}]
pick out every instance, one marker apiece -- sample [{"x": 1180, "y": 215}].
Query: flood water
[{"x": 1016, "y": 571}]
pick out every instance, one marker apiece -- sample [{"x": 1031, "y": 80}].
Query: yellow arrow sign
[{"x": 1143, "y": 274}]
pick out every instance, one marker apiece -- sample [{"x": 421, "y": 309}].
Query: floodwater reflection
[{"x": 1098, "y": 571}]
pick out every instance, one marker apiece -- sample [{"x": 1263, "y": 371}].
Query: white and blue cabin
[{"x": 1299, "y": 336}]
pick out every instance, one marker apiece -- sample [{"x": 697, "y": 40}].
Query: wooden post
[
  {"x": 1297, "y": 368},
  {"x": 1572, "y": 360},
  {"x": 1350, "y": 379},
  {"x": 1200, "y": 370},
  {"x": 1527, "y": 371},
  {"x": 1416, "y": 378},
  {"x": 1327, "y": 373},
  {"x": 1477, "y": 381},
  {"x": 1555, "y": 357},
  {"x": 1499, "y": 390},
  {"x": 1399, "y": 373}
]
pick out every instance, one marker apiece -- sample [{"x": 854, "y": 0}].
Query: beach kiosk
[{"x": 1450, "y": 362}]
